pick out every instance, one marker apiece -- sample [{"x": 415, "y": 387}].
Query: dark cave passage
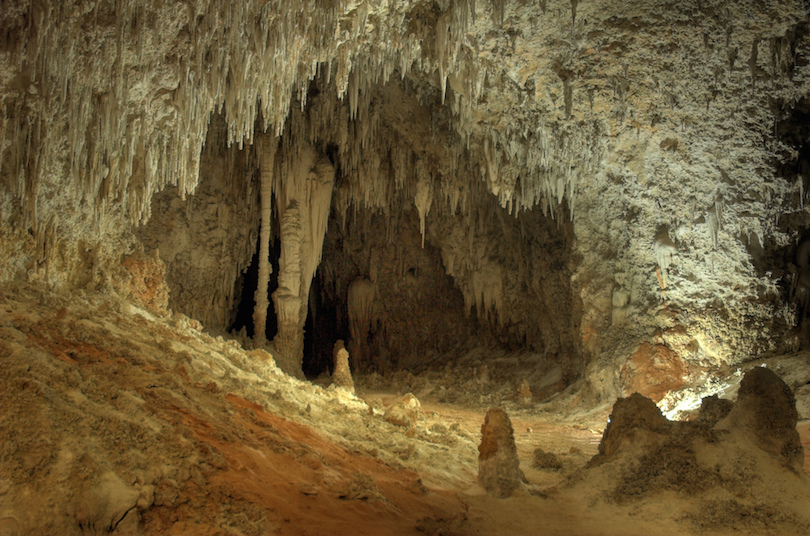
[
  {"x": 246, "y": 290},
  {"x": 327, "y": 322}
]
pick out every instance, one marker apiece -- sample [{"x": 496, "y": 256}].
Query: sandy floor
[{"x": 115, "y": 421}]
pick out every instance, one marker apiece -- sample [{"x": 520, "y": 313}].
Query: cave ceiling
[{"x": 648, "y": 130}]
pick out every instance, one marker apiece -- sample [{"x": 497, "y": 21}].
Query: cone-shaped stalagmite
[
  {"x": 342, "y": 376},
  {"x": 498, "y": 465}
]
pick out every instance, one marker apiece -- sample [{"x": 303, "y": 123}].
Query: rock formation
[
  {"x": 404, "y": 412},
  {"x": 342, "y": 374},
  {"x": 766, "y": 411},
  {"x": 632, "y": 421},
  {"x": 524, "y": 393},
  {"x": 498, "y": 464},
  {"x": 745, "y": 446}
]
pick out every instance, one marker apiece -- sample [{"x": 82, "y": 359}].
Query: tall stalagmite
[
  {"x": 267, "y": 147},
  {"x": 304, "y": 198}
]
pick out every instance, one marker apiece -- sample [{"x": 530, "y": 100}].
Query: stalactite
[
  {"x": 423, "y": 200},
  {"x": 360, "y": 303},
  {"x": 137, "y": 117}
]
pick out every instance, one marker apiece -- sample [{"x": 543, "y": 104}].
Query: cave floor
[{"x": 120, "y": 421}]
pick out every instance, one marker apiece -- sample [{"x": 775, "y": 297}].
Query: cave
[{"x": 418, "y": 267}]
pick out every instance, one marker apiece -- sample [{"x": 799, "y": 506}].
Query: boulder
[{"x": 404, "y": 412}]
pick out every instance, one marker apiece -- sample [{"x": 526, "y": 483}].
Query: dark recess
[{"x": 246, "y": 289}]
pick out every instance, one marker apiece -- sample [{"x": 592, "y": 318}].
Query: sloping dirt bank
[{"x": 117, "y": 421}]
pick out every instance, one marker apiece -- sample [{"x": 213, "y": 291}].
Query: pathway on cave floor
[
  {"x": 804, "y": 432},
  {"x": 573, "y": 443}
]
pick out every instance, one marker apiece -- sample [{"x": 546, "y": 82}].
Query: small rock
[
  {"x": 545, "y": 460},
  {"x": 404, "y": 412}
]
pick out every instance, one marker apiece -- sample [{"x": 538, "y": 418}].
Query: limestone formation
[
  {"x": 342, "y": 375},
  {"x": 267, "y": 164},
  {"x": 524, "y": 393},
  {"x": 404, "y": 412},
  {"x": 633, "y": 420},
  {"x": 612, "y": 191},
  {"x": 568, "y": 183},
  {"x": 766, "y": 410},
  {"x": 360, "y": 304},
  {"x": 498, "y": 464}
]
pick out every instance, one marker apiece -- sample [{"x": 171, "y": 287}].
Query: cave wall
[
  {"x": 207, "y": 240},
  {"x": 652, "y": 122}
]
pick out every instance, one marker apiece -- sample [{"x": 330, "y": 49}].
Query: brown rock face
[
  {"x": 766, "y": 408},
  {"x": 498, "y": 465},
  {"x": 147, "y": 287},
  {"x": 342, "y": 377},
  {"x": 630, "y": 417},
  {"x": 653, "y": 371}
]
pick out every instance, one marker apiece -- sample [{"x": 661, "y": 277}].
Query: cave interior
[{"x": 268, "y": 266}]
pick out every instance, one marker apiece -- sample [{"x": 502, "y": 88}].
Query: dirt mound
[
  {"x": 746, "y": 455},
  {"x": 631, "y": 418},
  {"x": 766, "y": 408}
]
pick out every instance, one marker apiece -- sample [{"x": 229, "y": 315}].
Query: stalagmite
[
  {"x": 498, "y": 464},
  {"x": 342, "y": 375},
  {"x": 303, "y": 197},
  {"x": 268, "y": 157}
]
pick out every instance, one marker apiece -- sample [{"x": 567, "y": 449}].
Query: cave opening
[
  {"x": 327, "y": 322},
  {"x": 417, "y": 268}
]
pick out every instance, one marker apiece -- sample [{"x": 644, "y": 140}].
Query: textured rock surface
[
  {"x": 729, "y": 466},
  {"x": 118, "y": 421},
  {"x": 404, "y": 412},
  {"x": 595, "y": 175},
  {"x": 632, "y": 420},
  {"x": 498, "y": 464},
  {"x": 545, "y": 460}
]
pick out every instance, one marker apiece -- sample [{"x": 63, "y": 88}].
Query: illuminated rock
[{"x": 342, "y": 375}]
